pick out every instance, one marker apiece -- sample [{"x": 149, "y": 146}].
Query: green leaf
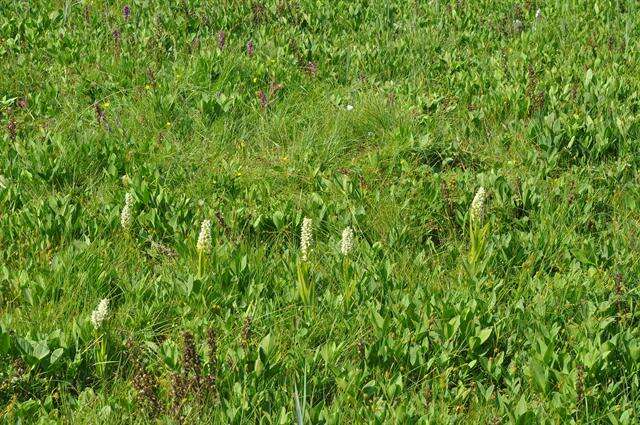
[
  {"x": 485, "y": 334},
  {"x": 55, "y": 355},
  {"x": 5, "y": 343},
  {"x": 521, "y": 408},
  {"x": 264, "y": 349},
  {"x": 625, "y": 418},
  {"x": 26, "y": 294},
  {"x": 258, "y": 366},
  {"x": 40, "y": 350},
  {"x": 588, "y": 77},
  {"x": 265, "y": 344},
  {"x": 413, "y": 351},
  {"x": 378, "y": 320},
  {"x": 452, "y": 327},
  {"x": 634, "y": 351},
  {"x": 539, "y": 375},
  {"x": 528, "y": 418},
  {"x": 278, "y": 219},
  {"x": 25, "y": 346},
  {"x": 187, "y": 285},
  {"x": 370, "y": 387},
  {"x": 612, "y": 418},
  {"x": 169, "y": 353}
]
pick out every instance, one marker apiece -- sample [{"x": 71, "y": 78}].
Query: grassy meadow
[{"x": 309, "y": 212}]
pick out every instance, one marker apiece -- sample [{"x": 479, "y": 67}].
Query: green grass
[{"x": 529, "y": 315}]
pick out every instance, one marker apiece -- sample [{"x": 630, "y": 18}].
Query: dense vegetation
[{"x": 126, "y": 126}]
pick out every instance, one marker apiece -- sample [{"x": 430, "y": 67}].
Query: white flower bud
[
  {"x": 306, "y": 237},
  {"x": 100, "y": 313},
  {"x": 346, "y": 244},
  {"x": 477, "y": 206},
  {"x": 126, "y": 218},
  {"x": 204, "y": 239}
]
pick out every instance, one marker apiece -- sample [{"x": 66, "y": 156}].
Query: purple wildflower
[
  {"x": 312, "y": 68},
  {"x": 117, "y": 36},
  {"x": 12, "y": 129},
  {"x": 100, "y": 116},
  {"x": 263, "y": 99},
  {"x": 22, "y": 103},
  {"x": 250, "y": 48},
  {"x": 222, "y": 37},
  {"x": 126, "y": 11}
]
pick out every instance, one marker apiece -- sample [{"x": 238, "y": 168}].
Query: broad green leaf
[
  {"x": 521, "y": 407},
  {"x": 265, "y": 344},
  {"x": 40, "y": 350},
  {"x": 55, "y": 355},
  {"x": 539, "y": 376},
  {"x": 25, "y": 346},
  {"x": 485, "y": 334}
]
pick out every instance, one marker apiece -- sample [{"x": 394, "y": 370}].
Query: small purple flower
[
  {"x": 250, "y": 48},
  {"x": 100, "y": 115},
  {"x": 22, "y": 103},
  {"x": 263, "y": 99},
  {"x": 126, "y": 11},
  {"x": 312, "y": 68},
  {"x": 222, "y": 37},
  {"x": 12, "y": 129},
  {"x": 116, "y": 36}
]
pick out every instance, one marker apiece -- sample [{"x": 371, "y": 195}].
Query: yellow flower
[
  {"x": 255, "y": 79},
  {"x": 148, "y": 87},
  {"x": 105, "y": 105},
  {"x": 168, "y": 124}
]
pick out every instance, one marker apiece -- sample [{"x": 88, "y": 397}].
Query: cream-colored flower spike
[
  {"x": 100, "y": 313},
  {"x": 346, "y": 244},
  {"x": 478, "y": 206},
  {"x": 126, "y": 218},
  {"x": 306, "y": 237},
  {"x": 204, "y": 238}
]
